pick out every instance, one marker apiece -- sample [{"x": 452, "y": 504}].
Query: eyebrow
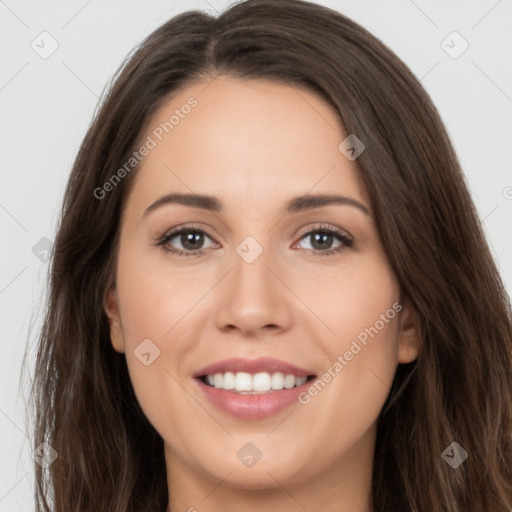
[{"x": 294, "y": 205}]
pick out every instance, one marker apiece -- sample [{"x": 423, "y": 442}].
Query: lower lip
[{"x": 256, "y": 406}]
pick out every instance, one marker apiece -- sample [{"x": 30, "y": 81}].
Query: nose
[{"x": 255, "y": 297}]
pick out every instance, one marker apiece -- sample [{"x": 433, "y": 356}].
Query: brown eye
[
  {"x": 190, "y": 239},
  {"x": 322, "y": 238}
]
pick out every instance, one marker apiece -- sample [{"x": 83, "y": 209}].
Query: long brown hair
[{"x": 110, "y": 458}]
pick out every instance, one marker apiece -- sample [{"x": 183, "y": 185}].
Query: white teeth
[
  {"x": 263, "y": 382},
  {"x": 289, "y": 381},
  {"x": 243, "y": 382},
  {"x": 278, "y": 380},
  {"x": 228, "y": 381}
]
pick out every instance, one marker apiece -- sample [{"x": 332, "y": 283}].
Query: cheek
[
  {"x": 154, "y": 311},
  {"x": 359, "y": 301},
  {"x": 361, "y": 308},
  {"x": 156, "y": 296}
]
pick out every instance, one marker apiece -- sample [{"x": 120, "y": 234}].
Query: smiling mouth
[{"x": 253, "y": 384}]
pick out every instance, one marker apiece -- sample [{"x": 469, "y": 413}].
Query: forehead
[{"x": 253, "y": 143}]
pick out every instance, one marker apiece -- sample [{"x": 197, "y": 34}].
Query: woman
[{"x": 196, "y": 355}]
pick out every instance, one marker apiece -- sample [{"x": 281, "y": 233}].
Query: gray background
[{"x": 47, "y": 103}]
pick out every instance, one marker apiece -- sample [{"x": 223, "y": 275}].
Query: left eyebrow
[
  {"x": 310, "y": 201},
  {"x": 296, "y": 204}
]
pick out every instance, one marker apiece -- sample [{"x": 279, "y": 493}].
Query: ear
[
  {"x": 114, "y": 319},
  {"x": 409, "y": 340}
]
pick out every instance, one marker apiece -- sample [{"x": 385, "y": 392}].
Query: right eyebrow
[{"x": 209, "y": 203}]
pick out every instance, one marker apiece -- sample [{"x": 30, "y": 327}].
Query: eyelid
[
  {"x": 345, "y": 237},
  {"x": 173, "y": 232},
  {"x": 304, "y": 231},
  {"x": 183, "y": 227},
  {"x": 324, "y": 226}
]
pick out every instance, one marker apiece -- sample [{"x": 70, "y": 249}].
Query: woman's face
[{"x": 261, "y": 276}]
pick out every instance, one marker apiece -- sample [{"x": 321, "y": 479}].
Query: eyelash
[{"x": 346, "y": 241}]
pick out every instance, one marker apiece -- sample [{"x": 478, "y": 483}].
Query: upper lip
[{"x": 263, "y": 364}]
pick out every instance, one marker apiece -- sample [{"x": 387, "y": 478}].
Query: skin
[{"x": 255, "y": 144}]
